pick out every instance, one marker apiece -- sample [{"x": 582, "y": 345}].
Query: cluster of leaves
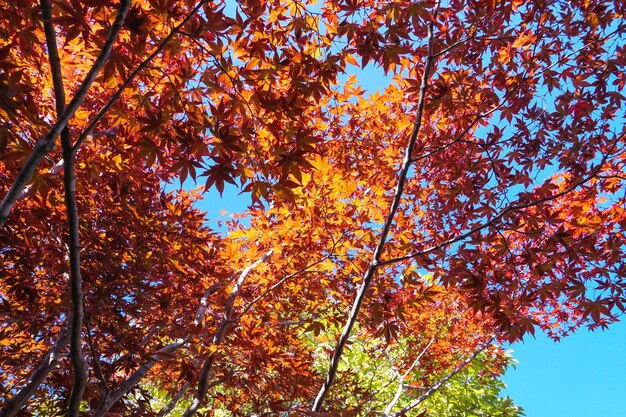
[
  {"x": 375, "y": 379},
  {"x": 479, "y": 194}
]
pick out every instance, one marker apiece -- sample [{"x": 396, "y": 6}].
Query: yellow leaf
[
  {"x": 351, "y": 60},
  {"x": 593, "y": 20},
  {"x": 117, "y": 162}
]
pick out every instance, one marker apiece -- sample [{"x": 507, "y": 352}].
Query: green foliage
[{"x": 369, "y": 378}]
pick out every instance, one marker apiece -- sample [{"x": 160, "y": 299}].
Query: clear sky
[{"x": 583, "y": 375}]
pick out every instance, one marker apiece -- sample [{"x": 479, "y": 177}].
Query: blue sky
[{"x": 583, "y": 375}]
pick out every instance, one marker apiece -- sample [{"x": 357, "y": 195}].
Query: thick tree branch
[
  {"x": 69, "y": 183},
  {"x": 13, "y": 406},
  {"x": 53, "y": 58},
  {"x": 76, "y": 281},
  {"x": 45, "y": 144},
  {"x": 375, "y": 262},
  {"x": 220, "y": 333},
  {"x": 103, "y": 111}
]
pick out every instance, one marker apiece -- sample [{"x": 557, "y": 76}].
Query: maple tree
[{"x": 477, "y": 197}]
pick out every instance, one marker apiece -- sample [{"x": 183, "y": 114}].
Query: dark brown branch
[
  {"x": 76, "y": 280},
  {"x": 53, "y": 58},
  {"x": 69, "y": 183},
  {"x": 96, "y": 358},
  {"x": 46, "y": 144},
  {"x": 103, "y": 111},
  {"x": 375, "y": 262},
  {"x": 220, "y": 333},
  {"x": 13, "y": 406}
]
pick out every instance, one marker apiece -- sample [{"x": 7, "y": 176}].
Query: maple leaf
[{"x": 478, "y": 193}]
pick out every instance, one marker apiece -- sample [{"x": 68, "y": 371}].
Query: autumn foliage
[{"x": 477, "y": 196}]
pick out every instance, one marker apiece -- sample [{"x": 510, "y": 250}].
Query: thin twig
[
  {"x": 509, "y": 209},
  {"x": 175, "y": 399},
  {"x": 440, "y": 383},
  {"x": 103, "y": 111},
  {"x": 96, "y": 358},
  {"x": 114, "y": 396},
  {"x": 402, "y": 377}
]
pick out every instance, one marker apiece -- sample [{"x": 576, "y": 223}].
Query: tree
[{"x": 484, "y": 184}]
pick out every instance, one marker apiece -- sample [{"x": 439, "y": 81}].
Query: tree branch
[
  {"x": 172, "y": 404},
  {"x": 111, "y": 398},
  {"x": 220, "y": 333},
  {"x": 13, "y": 406},
  {"x": 375, "y": 262},
  {"x": 509, "y": 209},
  {"x": 440, "y": 383},
  {"x": 69, "y": 183},
  {"x": 402, "y": 377},
  {"x": 115, "y": 395},
  {"x": 104, "y": 387},
  {"x": 103, "y": 111},
  {"x": 45, "y": 144}
]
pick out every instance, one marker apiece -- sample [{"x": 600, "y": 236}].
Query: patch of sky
[{"x": 580, "y": 376}]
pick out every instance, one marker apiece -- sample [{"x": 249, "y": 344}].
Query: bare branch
[
  {"x": 13, "y": 406},
  {"x": 46, "y": 144},
  {"x": 375, "y": 262},
  {"x": 402, "y": 377}
]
